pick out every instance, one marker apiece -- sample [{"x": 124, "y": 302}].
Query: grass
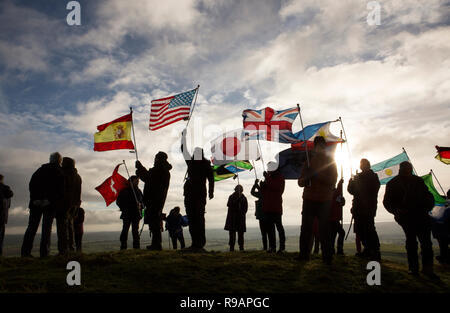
[{"x": 213, "y": 272}]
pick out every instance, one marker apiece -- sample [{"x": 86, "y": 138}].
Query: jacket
[
  {"x": 5, "y": 202},
  {"x": 408, "y": 198},
  {"x": 237, "y": 208},
  {"x": 272, "y": 192},
  {"x": 322, "y": 175},
  {"x": 364, "y": 187}
]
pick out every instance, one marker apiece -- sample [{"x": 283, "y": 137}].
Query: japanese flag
[{"x": 233, "y": 146}]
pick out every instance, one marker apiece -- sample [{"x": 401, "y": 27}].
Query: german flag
[
  {"x": 443, "y": 154},
  {"x": 114, "y": 135}
]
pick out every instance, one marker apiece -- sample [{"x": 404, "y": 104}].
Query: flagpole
[
  {"x": 404, "y": 150},
  {"x": 134, "y": 136},
  {"x": 431, "y": 171},
  {"x": 259, "y": 146},
  {"x": 304, "y": 136},
  {"x": 342, "y": 165},
  {"x": 254, "y": 169},
  {"x": 134, "y": 193},
  {"x": 193, "y": 105},
  {"x": 348, "y": 148}
]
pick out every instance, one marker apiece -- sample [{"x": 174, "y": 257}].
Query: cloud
[{"x": 390, "y": 84}]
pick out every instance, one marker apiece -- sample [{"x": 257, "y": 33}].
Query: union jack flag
[
  {"x": 270, "y": 125},
  {"x": 172, "y": 109}
]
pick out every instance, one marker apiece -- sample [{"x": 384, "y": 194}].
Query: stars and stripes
[{"x": 172, "y": 109}]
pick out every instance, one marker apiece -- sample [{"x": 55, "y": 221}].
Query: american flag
[
  {"x": 269, "y": 124},
  {"x": 172, "y": 109}
]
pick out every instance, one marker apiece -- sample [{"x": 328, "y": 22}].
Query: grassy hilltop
[{"x": 212, "y": 272}]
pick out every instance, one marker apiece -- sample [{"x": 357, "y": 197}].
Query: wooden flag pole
[
  {"x": 445, "y": 195},
  {"x": 134, "y": 135},
  {"x": 342, "y": 165},
  {"x": 254, "y": 169}
]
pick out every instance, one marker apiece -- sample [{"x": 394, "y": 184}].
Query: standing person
[
  {"x": 272, "y": 189},
  {"x": 157, "y": 180},
  {"x": 408, "y": 198},
  {"x": 5, "y": 202},
  {"x": 318, "y": 180},
  {"x": 71, "y": 203},
  {"x": 235, "y": 222},
  {"x": 78, "y": 229},
  {"x": 256, "y": 192},
  {"x": 336, "y": 228},
  {"x": 174, "y": 225},
  {"x": 441, "y": 231},
  {"x": 364, "y": 187},
  {"x": 194, "y": 191},
  {"x": 46, "y": 198},
  {"x": 129, "y": 201}
]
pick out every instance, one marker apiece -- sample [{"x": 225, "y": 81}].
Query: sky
[{"x": 390, "y": 83}]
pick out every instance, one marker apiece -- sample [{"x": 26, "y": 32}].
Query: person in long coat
[
  {"x": 156, "y": 180},
  {"x": 235, "y": 222},
  {"x": 5, "y": 202}
]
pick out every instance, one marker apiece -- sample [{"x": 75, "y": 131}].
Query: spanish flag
[
  {"x": 443, "y": 154},
  {"x": 114, "y": 135}
]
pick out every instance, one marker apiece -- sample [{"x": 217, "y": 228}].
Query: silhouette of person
[
  {"x": 174, "y": 225},
  {"x": 157, "y": 180},
  {"x": 235, "y": 222},
  {"x": 318, "y": 180},
  {"x": 129, "y": 201},
  {"x": 71, "y": 203},
  {"x": 46, "y": 198},
  {"x": 441, "y": 231},
  {"x": 364, "y": 187},
  {"x": 5, "y": 202},
  {"x": 336, "y": 228},
  {"x": 259, "y": 214},
  {"x": 78, "y": 229},
  {"x": 272, "y": 189},
  {"x": 408, "y": 199},
  {"x": 198, "y": 171}
]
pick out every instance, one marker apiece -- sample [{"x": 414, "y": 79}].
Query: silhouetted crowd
[{"x": 55, "y": 193}]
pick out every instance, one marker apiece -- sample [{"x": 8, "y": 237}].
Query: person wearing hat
[
  {"x": 318, "y": 181},
  {"x": 156, "y": 184},
  {"x": 272, "y": 189}
]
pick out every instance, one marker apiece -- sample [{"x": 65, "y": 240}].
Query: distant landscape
[{"x": 391, "y": 236}]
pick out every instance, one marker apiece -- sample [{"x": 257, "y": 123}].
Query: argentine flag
[{"x": 388, "y": 169}]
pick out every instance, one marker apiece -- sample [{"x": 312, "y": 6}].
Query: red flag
[{"x": 111, "y": 187}]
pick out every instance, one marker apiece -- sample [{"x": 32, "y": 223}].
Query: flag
[
  {"x": 172, "y": 109},
  {"x": 270, "y": 125},
  {"x": 443, "y": 154},
  {"x": 233, "y": 146},
  {"x": 225, "y": 171},
  {"x": 112, "y": 186},
  {"x": 388, "y": 169},
  {"x": 438, "y": 199},
  {"x": 114, "y": 135},
  {"x": 312, "y": 131},
  {"x": 291, "y": 162}
]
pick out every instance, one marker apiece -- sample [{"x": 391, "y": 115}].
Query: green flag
[
  {"x": 438, "y": 199},
  {"x": 229, "y": 170}
]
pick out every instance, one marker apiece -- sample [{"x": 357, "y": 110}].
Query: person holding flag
[
  {"x": 364, "y": 187},
  {"x": 194, "y": 190},
  {"x": 131, "y": 212},
  {"x": 318, "y": 180},
  {"x": 156, "y": 180}
]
